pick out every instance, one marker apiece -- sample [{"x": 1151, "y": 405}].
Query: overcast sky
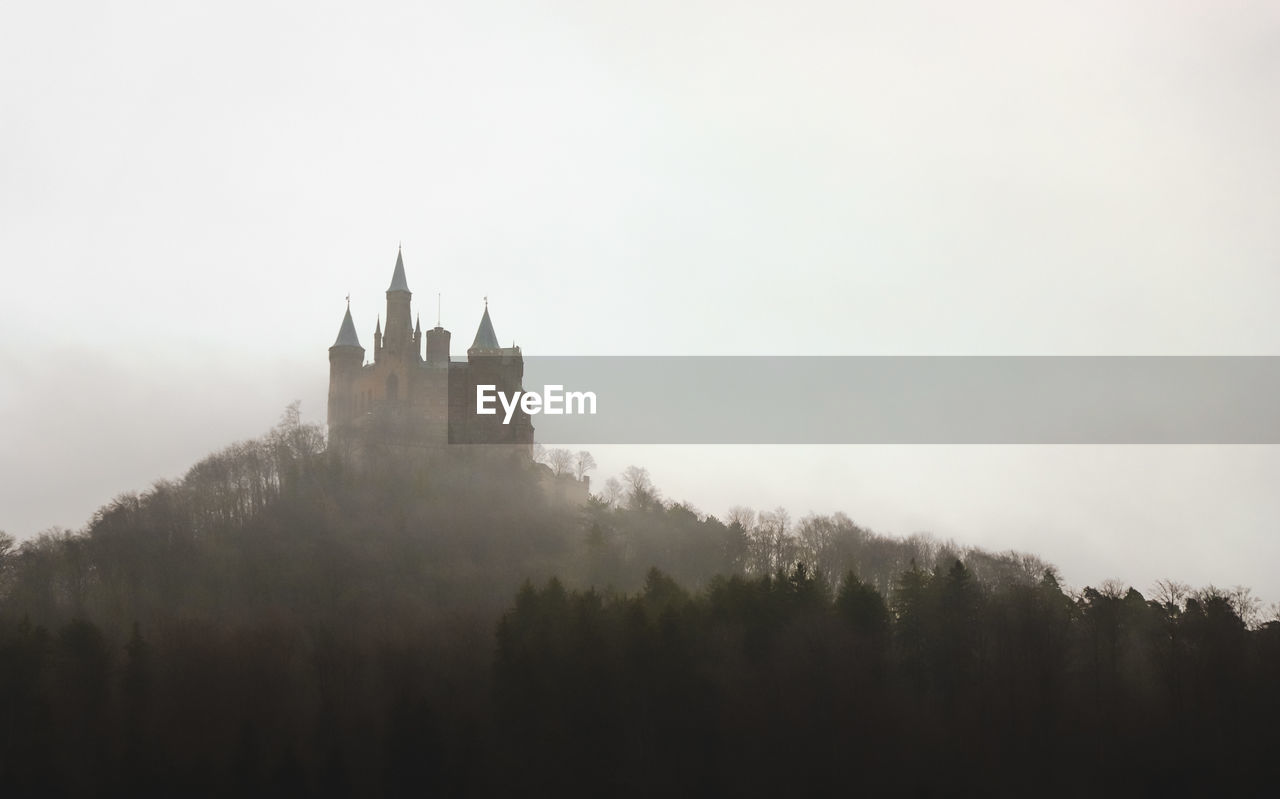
[{"x": 189, "y": 190}]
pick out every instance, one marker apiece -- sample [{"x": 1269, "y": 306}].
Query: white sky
[{"x": 188, "y": 190}]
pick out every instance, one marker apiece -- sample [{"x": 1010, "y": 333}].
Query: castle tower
[
  {"x": 489, "y": 363},
  {"x": 397, "y": 339},
  {"x": 437, "y": 346},
  {"x": 345, "y": 359}
]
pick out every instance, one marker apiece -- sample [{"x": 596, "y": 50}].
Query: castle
[{"x": 406, "y": 401}]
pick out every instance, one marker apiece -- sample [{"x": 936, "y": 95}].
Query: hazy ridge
[{"x": 276, "y": 621}]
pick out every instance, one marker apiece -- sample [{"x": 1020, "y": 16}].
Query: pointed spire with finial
[
  {"x": 486, "y": 339},
  {"x": 398, "y": 281},
  {"x": 347, "y": 333},
  {"x": 417, "y": 325}
]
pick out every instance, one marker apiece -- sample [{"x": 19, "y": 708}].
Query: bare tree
[
  {"x": 1112, "y": 588},
  {"x": 560, "y": 461},
  {"x": 742, "y": 516},
  {"x": 816, "y": 543},
  {"x": 1247, "y": 606},
  {"x": 640, "y": 488},
  {"x": 8, "y": 559},
  {"x": 1273, "y": 613},
  {"x": 583, "y": 463},
  {"x": 613, "y": 492},
  {"x": 770, "y": 541},
  {"x": 1171, "y": 593}
]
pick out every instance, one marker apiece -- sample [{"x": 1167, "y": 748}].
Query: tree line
[{"x": 279, "y": 622}]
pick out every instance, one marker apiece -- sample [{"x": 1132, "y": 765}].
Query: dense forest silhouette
[{"x": 279, "y": 623}]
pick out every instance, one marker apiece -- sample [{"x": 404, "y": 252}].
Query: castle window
[{"x": 393, "y": 387}]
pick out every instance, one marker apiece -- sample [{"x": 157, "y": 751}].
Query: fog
[{"x": 187, "y": 194}]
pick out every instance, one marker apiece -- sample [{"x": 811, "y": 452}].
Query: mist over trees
[{"x": 280, "y": 622}]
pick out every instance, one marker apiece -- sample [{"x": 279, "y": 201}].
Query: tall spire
[
  {"x": 486, "y": 339},
  {"x": 347, "y": 333},
  {"x": 398, "y": 282}
]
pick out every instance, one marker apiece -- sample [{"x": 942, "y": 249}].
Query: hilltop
[{"x": 280, "y": 620}]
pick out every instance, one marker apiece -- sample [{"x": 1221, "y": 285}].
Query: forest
[{"x": 277, "y": 622}]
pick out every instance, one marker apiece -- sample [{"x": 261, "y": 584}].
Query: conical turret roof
[
  {"x": 347, "y": 333},
  {"x": 398, "y": 282},
  {"x": 486, "y": 339}
]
